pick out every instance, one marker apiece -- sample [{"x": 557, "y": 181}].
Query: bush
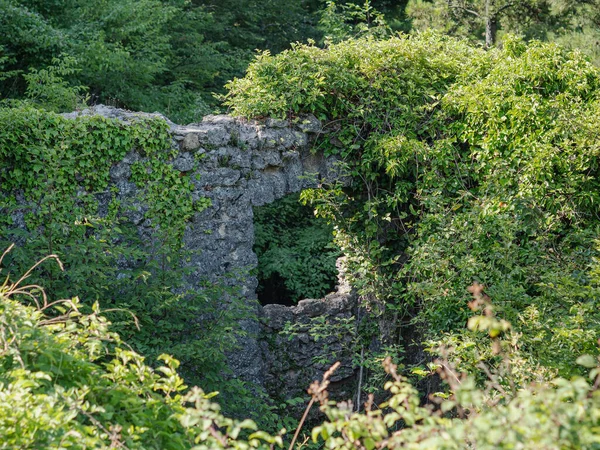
[
  {"x": 465, "y": 165},
  {"x": 68, "y": 381}
]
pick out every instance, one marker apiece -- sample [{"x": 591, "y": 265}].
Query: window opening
[{"x": 296, "y": 253}]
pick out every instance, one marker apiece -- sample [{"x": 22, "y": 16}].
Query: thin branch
[
  {"x": 318, "y": 392},
  {"x": 449, "y": 370},
  {"x": 55, "y": 257},
  {"x": 493, "y": 379},
  {"x": 297, "y": 433},
  {"x": 28, "y": 294},
  {"x": 360, "y": 377},
  {"x": 10, "y": 247},
  {"x": 470, "y": 11},
  {"x": 508, "y": 5}
]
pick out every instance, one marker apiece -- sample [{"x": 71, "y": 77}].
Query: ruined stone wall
[
  {"x": 319, "y": 337},
  {"x": 242, "y": 164}
]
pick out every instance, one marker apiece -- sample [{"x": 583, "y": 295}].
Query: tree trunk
[
  {"x": 491, "y": 29},
  {"x": 490, "y": 25}
]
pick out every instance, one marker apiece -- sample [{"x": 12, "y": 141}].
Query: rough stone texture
[
  {"x": 294, "y": 361},
  {"x": 242, "y": 164}
]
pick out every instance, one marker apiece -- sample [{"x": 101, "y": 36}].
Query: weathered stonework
[
  {"x": 294, "y": 360},
  {"x": 241, "y": 164}
]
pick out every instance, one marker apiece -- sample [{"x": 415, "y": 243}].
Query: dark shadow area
[{"x": 272, "y": 290}]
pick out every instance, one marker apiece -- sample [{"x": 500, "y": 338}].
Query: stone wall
[
  {"x": 242, "y": 164},
  {"x": 294, "y": 360}
]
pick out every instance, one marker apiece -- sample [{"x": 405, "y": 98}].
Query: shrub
[
  {"x": 68, "y": 381},
  {"x": 465, "y": 165}
]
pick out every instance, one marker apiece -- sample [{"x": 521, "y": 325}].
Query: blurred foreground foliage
[{"x": 68, "y": 381}]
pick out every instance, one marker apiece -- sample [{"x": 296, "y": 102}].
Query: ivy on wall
[{"x": 58, "y": 199}]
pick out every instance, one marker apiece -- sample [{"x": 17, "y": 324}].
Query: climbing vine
[
  {"x": 55, "y": 178},
  {"x": 37, "y": 147},
  {"x": 462, "y": 165}
]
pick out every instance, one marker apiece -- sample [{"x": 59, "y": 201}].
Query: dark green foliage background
[
  {"x": 296, "y": 253},
  {"x": 150, "y": 55}
]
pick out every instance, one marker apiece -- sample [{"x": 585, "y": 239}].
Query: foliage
[
  {"x": 581, "y": 32},
  {"x": 171, "y": 56},
  {"x": 119, "y": 46},
  {"x": 321, "y": 328},
  {"x": 294, "y": 248},
  {"x": 480, "y": 20},
  {"x": 359, "y": 85},
  {"x": 166, "y": 56},
  {"x": 527, "y": 420},
  {"x": 356, "y": 333},
  {"x": 68, "y": 381},
  {"x": 48, "y": 88},
  {"x": 145, "y": 55},
  {"x": 346, "y": 21},
  {"x": 464, "y": 165},
  {"x": 487, "y": 414}
]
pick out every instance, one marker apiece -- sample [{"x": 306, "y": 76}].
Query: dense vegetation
[
  {"x": 467, "y": 165},
  {"x": 296, "y": 255},
  {"x": 172, "y": 55},
  {"x": 470, "y": 222},
  {"x": 151, "y": 55},
  {"x": 67, "y": 381}
]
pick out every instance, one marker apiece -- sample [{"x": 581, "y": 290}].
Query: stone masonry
[{"x": 241, "y": 164}]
